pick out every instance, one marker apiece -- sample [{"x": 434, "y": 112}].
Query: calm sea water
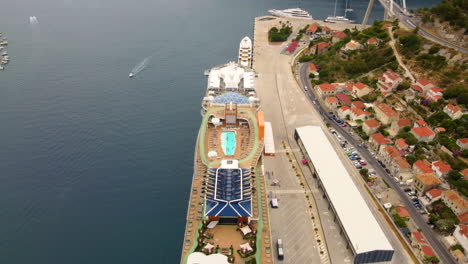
[{"x": 96, "y": 167}]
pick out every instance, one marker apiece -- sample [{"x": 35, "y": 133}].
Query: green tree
[{"x": 431, "y": 260}]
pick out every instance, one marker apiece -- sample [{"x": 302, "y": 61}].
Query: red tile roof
[
  {"x": 465, "y": 172},
  {"x": 453, "y": 108},
  {"x": 463, "y": 140},
  {"x": 417, "y": 88},
  {"x": 392, "y": 151},
  {"x": 326, "y": 29},
  {"x": 402, "y": 212},
  {"x": 387, "y": 110},
  {"x": 457, "y": 199},
  {"x": 358, "y": 104},
  {"x": 339, "y": 34},
  {"x": 326, "y": 87},
  {"x": 312, "y": 67},
  {"x": 360, "y": 85},
  {"x": 359, "y": 112},
  {"x": 440, "y": 129},
  {"x": 292, "y": 46},
  {"x": 464, "y": 230},
  {"x": 332, "y": 99},
  {"x": 427, "y": 251},
  {"x": 434, "y": 193},
  {"x": 404, "y": 122},
  {"x": 372, "y": 41},
  {"x": 372, "y": 123},
  {"x": 428, "y": 179},
  {"x": 443, "y": 167},
  {"x": 421, "y": 123},
  {"x": 312, "y": 28},
  {"x": 423, "y": 131},
  {"x": 380, "y": 139},
  {"x": 343, "y": 98},
  {"x": 423, "y": 167},
  {"x": 463, "y": 218},
  {"x": 424, "y": 82},
  {"x": 419, "y": 237},
  {"x": 401, "y": 143},
  {"x": 323, "y": 45},
  {"x": 391, "y": 75},
  {"x": 344, "y": 108},
  {"x": 401, "y": 162}
]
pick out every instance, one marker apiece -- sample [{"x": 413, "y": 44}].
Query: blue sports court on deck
[{"x": 228, "y": 142}]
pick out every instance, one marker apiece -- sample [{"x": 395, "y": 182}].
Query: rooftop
[
  {"x": 423, "y": 131},
  {"x": 358, "y": 104},
  {"x": 442, "y": 166},
  {"x": 332, "y": 99},
  {"x": 339, "y": 34},
  {"x": 358, "y": 222},
  {"x": 401, "y": 162},
  {"x": 326, "y": 87},
  {"x": 404, "y": 122},
  {"x": 424, "y": 82},
  {"x": 453, "y": 108},
  {"x": 359, "y": 112},
  {"x": 372, "y": 41},
  {"x": 360, "y": 86},
  {"x": 401, "y": 143},
  {"x": 421, "y": 123},
  {"x": 312, "y": 67},
  {"x": 391, "y": 75},
  {"x": 463, "y": 140},
  {"x": 380, "y": 139},
  {"x": 401, "y": 211},
  {"x": 392, "y": 151},
  {"x": 456, "y": 198},
  {"x": 313, "y": 28},
  {"x": 434, "y": 193},
  {"x": 372, "y": 123},
  {"x": 428, "y": 179},
  {"x": 423, "y": 166},
  {"x": 387, "y": 110},
  {"x": 463, "y": 218},
  {"x": 344, "y": 99}
]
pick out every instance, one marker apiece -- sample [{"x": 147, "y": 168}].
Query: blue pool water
[{"x": 228, "y": 142}]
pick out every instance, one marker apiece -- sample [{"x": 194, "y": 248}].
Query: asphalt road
[
  {"x": 410, "y": 23},
  {"x": 431, "y": 237}
]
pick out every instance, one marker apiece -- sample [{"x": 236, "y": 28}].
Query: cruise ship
[
  {"x": 245, "y": 52},
  {"x": 227, "y": 219},
  {"x": 292, "y": 12}
]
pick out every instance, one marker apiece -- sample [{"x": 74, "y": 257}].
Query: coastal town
[{"x": 370, "y": 114}]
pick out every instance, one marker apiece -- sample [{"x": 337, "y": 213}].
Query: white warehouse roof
[
  {"x": 355, "y": 216},
  {"x": 268, "y": 139}
]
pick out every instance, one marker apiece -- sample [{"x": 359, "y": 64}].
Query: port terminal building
[{"x": 359, "y": 227}]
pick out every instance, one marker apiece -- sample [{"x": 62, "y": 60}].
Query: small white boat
[
  {"x": 4, "y": 53},
  {"x": 130, "y": 75}
]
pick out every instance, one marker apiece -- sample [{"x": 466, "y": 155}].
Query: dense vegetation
[
  {"x": 279, "y": 35},
  {"x": 410, "y": 44},
  {"x": 456, "y": 180},
  {"x": 443, "y": 217},
  {"x": 453, "y": 11},
  {"x": 431, "y": 62},
  {"x": 458, "y": 91}
]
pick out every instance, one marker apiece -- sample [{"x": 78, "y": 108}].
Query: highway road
[
  {"x": 431, "y": 237},
  {"x": 411, "y": 23}
]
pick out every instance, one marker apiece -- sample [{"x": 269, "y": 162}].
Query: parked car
[
  {"x": 344, "y": 125},
  {"x": 274, "y": 203},
  {"x": 387, "y": 170},
  {"x": 363, "y": 163},
  {"x": 407, "y": 190},
  {"x": 396, "y": 179}
]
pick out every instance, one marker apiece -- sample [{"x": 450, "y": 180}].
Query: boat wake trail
[
  {"x": 33, "y": 20},
  {"x": 140, "y": 66}
]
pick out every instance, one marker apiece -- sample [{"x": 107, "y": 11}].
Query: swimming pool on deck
[{"x": 228, "y": 142}]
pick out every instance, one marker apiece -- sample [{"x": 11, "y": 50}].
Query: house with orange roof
[
  {"x": 389, "y": 81},
  {"x": 401, "y": 211},
  {"x": 358, "y": 104},
  {"x": 401, "y": 144},
  {"x": 458, "y": 203},
  {"x": 343, "y": 98},
  {"x": 453, "y": 111},
  {"x": 359, "y": 114},
  {"x": 370, "y": 126},
  {"x": 313, "y": 70},
  {"x": 461, "y": 235},
  {"x": 441, "y": 168},
  {"x": 377, "y": 140},
  {"x": 420, "y": 123},
  {"x": 424, "y": 85},
  {"x": 320, "y": 47},
  {"x": 325, "y": 89},
  {"x": 388, "y": 153},
  {"x": 462, "y": 143},
  {"x": 360, "y": 89},
  {"x": 422, "y": 166},
  {"x": 439, "y": 129},
  {"x": 434, "y": 194},
  {"x": 385, "y": 113},
  {"x": 401, "y": 168},
  {"x": 465, "y": 173},
  {"x": 435, "y": 94},
  {"x": 312, "y": 29},
  {"x": 426, "y": 181},
  {"x": 372, "y": 41},
  {"x": 326, "y": 29},
  {"x": 337, "y": 36},
  {"x": 398, "y": 125},
  {"x": 424, "y": 134},
  {"x": 331, "y": 102},
  {"x": 344, "y": 111},
  {"x": 352, "y": 45}
]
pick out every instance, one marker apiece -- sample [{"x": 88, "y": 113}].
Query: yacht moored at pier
[
  {"x": 291, "y": 12},
  {"x": 225, "y": 220}
]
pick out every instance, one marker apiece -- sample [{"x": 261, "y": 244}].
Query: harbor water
[{"x": 96, "y": 167}]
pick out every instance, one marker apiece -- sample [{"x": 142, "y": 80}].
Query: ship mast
[{"x": 334, "y": 12}]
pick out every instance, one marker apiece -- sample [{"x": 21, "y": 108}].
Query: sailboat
[{"x": 340, "y": 19}]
